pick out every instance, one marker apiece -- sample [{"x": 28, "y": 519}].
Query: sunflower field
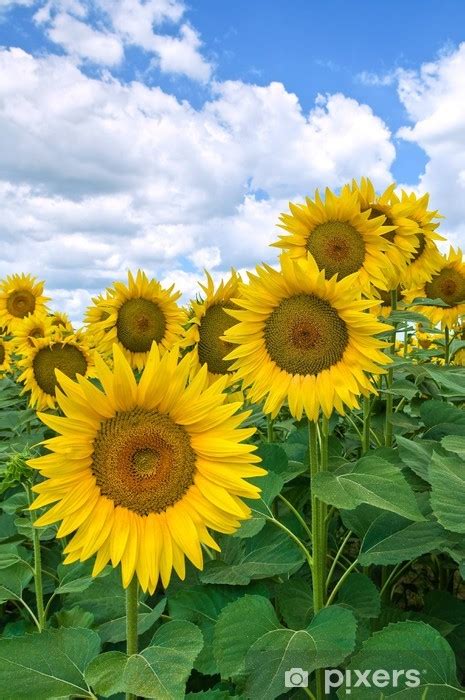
[{"x": 258, "y": 495}]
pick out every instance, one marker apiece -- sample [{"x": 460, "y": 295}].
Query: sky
[{"x": 170, "y": 136}]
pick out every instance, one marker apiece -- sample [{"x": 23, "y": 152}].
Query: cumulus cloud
[
  {"x": 433, "y": 98},
  {"x": 99, "y": 30},
  {"x": 98, "y": 176}
]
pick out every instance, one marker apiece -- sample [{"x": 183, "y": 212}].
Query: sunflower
[
  {"x": 6, "y": 349},
  {"x": 208, "y": 321},
  {"x": 306, "y": 339},
  {"x": 140, "y": 471},
  {"x": 135, "y": 315},
  {"x": 342, "y": 239},
  {"x": 447, "y": 284},
  {"x": 71, "y": 356},
  {"x": 394, "y": 213},
  {"x": 31, "y": 328},
  {"x": 427, "y": 258},
  {"x": 20, "y": 296},
  {"x": 60, "y": 321}
]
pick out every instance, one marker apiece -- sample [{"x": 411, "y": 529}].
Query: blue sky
[{"x": 171, "y": 135}]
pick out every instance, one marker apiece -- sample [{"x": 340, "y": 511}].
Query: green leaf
[
  {"x": 13, "y": 580},
  {"x": 454, "y": 443},
  {"x": 161, "y": 670},
  {"x": 416, "y": 454},
  {"x": 270, "y": 485},
  {"x": 327, "y": 641},
  {"x": 447, "y": 478},
  {"x": 76, "y": 617},
  {"x": 75, "y": 586},
  {"x": 105, "y": 599},
  {"x": 269, "y": 553},
  {"x": 442, "y": 418},
  {"x": 239, "y": 625},
  {"x": 283, "y": 461},
  {"x": 392, "y": 539},
  {"x": 295, "y": 602},
  {"x": 47, "y": 665},
  {"x": 371, "y": 480},
  {"x": 202, "y": 605},
  {"x": 105, "y": 673},
  {"x": 115, "y": 630},
  {"x": 405, "y": 646},
  {"x": 361, "y": 594}
]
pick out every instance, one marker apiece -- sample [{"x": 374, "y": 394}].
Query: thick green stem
[
  {"x": 388, "y": 433},
  {"x": 38, "y": 587},
  {"x": 319, "y": 531},
  {"x": 269, "y": 429},
  {"x": 446, "y": 345},
  {"x": 132, "y": 605},
  {"x": 366, "y": 424}
]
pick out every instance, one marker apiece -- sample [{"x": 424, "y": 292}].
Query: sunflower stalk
[
  {"x": 366, "y": 424},
  {"x": 390, "y": 377},
  {"x": 446, "y": 345},
  {"x": 38, "y": 586},
  {"x": 132, "y": 609},
  {"x": 318, "y": 459}
]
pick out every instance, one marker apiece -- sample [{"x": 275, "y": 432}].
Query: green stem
[
  {"x": 366, "y": 424},
  {"x": 293, "y": 537},
  {"x": 446, "y": 345},
  {"x": 390, "y": 376},
  {"x": 337, "y": 557},
  {"x": 338, "y": 585},
  {"x": 38, "y": 586},
  {"x": 132, "y": 605},
  {"x": 297, "y": 514},
  {"x": 269, "y": 429},
  {"x": 319, "y": 536}
]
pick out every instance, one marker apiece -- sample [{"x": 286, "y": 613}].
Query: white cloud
[
  {"x": 81, "y": 40},
  {"x": 97, "y": 176},
  {"x": 376, "y": 79},
  {"x": 433, "y": 98},
  {"x": 98, "y": 31}
]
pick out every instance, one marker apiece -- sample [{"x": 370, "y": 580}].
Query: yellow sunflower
[
  {"x": 306, "y": 339},
  {"x": 448, "y": 284},
  {"x": 394, "y": 213},
  {"x": 94, "y": 315},
  {"x": 208, "y": 321},
  {"x": 427, "y": 258},
  {"x": 60, "y": 321},
  {"x": 138, "y": 314},
  {"x": 31, "y": 328},
  {"x": 69, "y": 355},
  {"x": 342, "y": 239},
  {"x": 140, "y": 471},
  {"x": 6, "y": 349},
  {"x": 20, "y": 296}
]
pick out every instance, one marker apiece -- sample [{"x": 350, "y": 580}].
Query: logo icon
[{"x": 296, "y": 678}]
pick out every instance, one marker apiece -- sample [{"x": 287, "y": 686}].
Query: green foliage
[{"x": 396, "y": 534}]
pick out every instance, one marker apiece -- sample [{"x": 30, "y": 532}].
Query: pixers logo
[{"x": 379, "y": 678}]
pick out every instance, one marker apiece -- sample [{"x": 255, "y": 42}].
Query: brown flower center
[
  {"x": 305, "y": 335},
  {"x": 68, "y": 358},
  {"x": 143, "y": 461},
  {"x": 21, "y": 303},
  {"x": 211, "y": 348},
  {"x": 337, "y": 247},
  {"x": 140, "y": 322}
]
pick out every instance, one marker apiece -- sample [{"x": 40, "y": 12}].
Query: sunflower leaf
[
  {"x": 48, "y": 665},
  {"x": 161, "y": 670},
  {"x": 239, "y": 625},
  {"x": 371, "y": 480},
  {"x": 327, "y": 641}
]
